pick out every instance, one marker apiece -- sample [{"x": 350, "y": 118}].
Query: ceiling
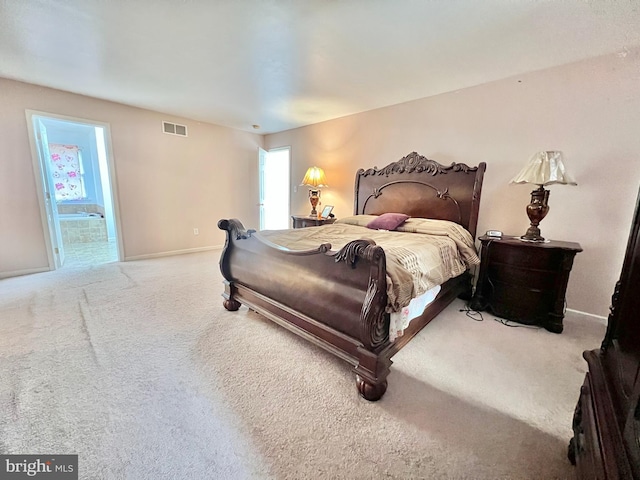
[{"x": 282, "y": 64}]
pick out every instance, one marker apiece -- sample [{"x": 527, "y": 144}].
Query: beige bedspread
[{"x": 421, "y": 254}]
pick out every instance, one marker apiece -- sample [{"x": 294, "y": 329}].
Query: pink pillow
[{"x": 388, "y": 221}]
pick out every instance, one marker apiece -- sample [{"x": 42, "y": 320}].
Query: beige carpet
[{"x": 138, "y": 369}]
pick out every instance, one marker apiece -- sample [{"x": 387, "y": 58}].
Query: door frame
[{"x": 39, "y": 170}]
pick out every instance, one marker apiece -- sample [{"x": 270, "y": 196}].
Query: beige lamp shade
[
  {"x": 544, "y": 168},
  {"x": 314, "y": 178}
]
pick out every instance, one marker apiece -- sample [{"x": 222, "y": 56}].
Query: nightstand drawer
[
  {"x": 521, "y": 303},
  {"x": 523, "y": 255},
  {"x": 521, "y": 276}
]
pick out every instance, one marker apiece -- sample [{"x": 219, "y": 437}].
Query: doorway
[
  {"x": 274, "y": 178},
  {"x": 74, "y": 174}
]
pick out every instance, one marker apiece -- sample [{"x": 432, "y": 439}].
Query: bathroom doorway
[{"x": 74, "y": 173}]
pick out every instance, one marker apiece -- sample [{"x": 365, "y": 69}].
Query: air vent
[{"x": 174, "y": 129}]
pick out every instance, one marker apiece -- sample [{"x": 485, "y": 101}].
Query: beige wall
[
  {"x": 167, "y": 185},
  {"x": 589, "y": 110}
]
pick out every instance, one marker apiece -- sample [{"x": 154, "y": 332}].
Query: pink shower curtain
[{"x": 66, "y": 169}]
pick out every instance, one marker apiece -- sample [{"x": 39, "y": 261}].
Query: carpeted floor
[{"x": 138, "y": 369}]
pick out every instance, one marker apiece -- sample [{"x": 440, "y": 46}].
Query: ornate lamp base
[
  {"x": 536, "y": 211},
  {"x": 314, "y": 197},
  {"x": 532, "y": 235}
]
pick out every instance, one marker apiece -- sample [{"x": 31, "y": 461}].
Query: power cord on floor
[
  {"x": 477, "y": 316},
  {"x": 510, "y": 323},
  {"x": 472, "y": 314}
]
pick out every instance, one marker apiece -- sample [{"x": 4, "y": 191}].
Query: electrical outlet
[{"x": 196, "y": 231}]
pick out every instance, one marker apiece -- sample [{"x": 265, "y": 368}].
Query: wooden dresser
[
  {"x": 524, "y": 281},
  {"x": 606, "y": 424}
]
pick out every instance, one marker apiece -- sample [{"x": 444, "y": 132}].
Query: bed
[{"x": 338, "y": 298}]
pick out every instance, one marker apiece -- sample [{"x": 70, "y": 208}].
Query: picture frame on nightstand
[{"x": 326, "y": 211}]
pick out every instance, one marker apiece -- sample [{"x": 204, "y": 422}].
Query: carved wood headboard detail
[{"x": 421, "y": 188}]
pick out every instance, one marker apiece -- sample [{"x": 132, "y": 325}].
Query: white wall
[
  {"x": 167, "y": 185},
  {"x": 589, "y": 110}
]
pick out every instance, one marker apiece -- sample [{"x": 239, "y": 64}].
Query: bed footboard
[{"x": 335, "y": 299}]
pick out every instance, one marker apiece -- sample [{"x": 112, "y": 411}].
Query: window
[{"x": 67, "y": 172}]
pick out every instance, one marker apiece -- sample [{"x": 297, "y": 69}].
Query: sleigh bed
[{"x": 338, "y": 298}]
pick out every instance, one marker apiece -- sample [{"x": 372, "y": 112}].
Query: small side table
[
  {"x": 524, "y": 281},
  {"x": 306, "y": 221}
]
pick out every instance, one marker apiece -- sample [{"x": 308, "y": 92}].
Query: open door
[
  {"x": 262, "y": 160},
  {"x": 42, "y": 144},
  {"x": 274, "y": 175}
]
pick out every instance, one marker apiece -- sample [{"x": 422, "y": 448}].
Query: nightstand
[
  {"x": 524, "y": 281},
  {"x": 306, "y": 221}
]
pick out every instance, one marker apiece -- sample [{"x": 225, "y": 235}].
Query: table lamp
[
  {"x": 544, "y": 168},
  {"x": 315, "y": 179}
]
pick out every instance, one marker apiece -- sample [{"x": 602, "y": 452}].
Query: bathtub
[
  {"x": 78, "y": 216},
  {"x": 82, "y": 228}
]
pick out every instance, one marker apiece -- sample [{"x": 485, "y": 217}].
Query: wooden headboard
[{"x": 422, "y": 188}]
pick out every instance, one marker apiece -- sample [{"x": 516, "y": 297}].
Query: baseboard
[
  {"x": 171, "y": 253},
  {"x": 593, "y": 315},
  {"x": 28, "y": 271}
]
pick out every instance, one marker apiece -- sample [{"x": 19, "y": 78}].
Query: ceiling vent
[{"x": 174, "y": 129}]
